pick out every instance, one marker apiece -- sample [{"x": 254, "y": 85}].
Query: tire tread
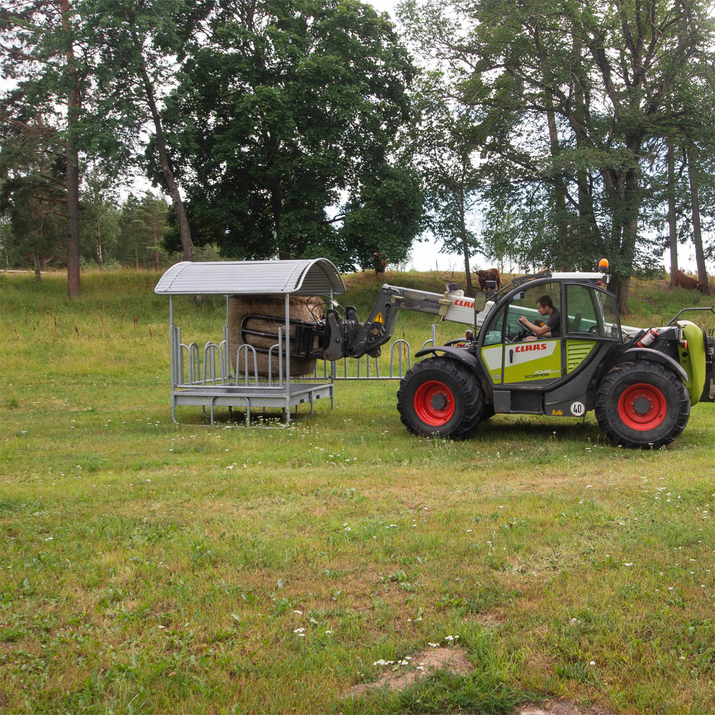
[
  {"x": 470, "y": 391},
  {"x": 640, "y": 371}
]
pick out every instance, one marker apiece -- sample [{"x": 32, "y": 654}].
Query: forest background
[{"x": 541, "y": 134}]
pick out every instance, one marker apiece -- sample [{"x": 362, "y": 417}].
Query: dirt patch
[
  {"x": 401, "y": 675},
  {"x": 423, "y": 664},
  {"x": 560, "y": 707},
  {"x": 491, "y": 620}
]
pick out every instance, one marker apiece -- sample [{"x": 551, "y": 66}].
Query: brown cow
[
  {"x": 680, "y": 280},
  {"x": 490, "y": 274},
  {"x": 379, "y": 262}
]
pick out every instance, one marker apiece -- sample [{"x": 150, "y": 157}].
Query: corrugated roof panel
[{"x": 305, "y": 277}]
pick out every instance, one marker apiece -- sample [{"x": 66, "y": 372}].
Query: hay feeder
[{"x": 252, "y": 366}]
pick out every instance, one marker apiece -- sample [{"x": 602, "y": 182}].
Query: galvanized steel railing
[{"x": 191, "y": 367}]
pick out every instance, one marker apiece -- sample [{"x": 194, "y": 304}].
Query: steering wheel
[{"x": 524, "y": 332}]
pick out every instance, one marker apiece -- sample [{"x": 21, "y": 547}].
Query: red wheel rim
[
  {"x": 434, "y": 403},
  {"x": 642, "y": 407}
]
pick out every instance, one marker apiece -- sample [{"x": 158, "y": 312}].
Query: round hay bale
[{"x": 239, "y": 307}]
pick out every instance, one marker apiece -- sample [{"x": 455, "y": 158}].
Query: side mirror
[{"x": 480, "y": 300}]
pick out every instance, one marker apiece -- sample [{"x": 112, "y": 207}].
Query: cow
[
  {"x": 490, "y": 274},
  {"x": 680, "y": 280},
  {"x": 379, "y": 262}
]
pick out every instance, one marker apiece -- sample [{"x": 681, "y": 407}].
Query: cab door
[
  {"x": 513, "y": 359},
  {"x": 530, "y": 361},
  {"x": 591, "y": 330}
]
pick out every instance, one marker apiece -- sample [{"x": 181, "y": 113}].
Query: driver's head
[{"x": 545, "y": 305}]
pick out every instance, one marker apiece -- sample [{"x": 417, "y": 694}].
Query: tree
[
  {"x": 33, "y": 193},
  {"x": 687, "y": 167},
  {"x": 143, "y": 227},
  {"x": 518, "y": 227},
  {"x": 38, "y": 48},
  {"x": 100, "y": 219},
  {"x": 286, "y": 122},
  {"x": 573, "y": 93},
  {"x": 139, "y": 45},
  {"x": 382, "y": 219},
  {"x": 445, "y": 140},
  {"x": 703, "y": 169},
  {"x": 698, "y": 143}
]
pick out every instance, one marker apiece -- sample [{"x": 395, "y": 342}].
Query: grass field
[{"x": 150, "y": 568}]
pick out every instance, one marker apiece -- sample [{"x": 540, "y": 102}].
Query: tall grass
[{"x": 148, "y": 567}]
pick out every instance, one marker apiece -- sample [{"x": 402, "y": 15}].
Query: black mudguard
[
  {"x": 459, "y": 354},
  {"x": 654, "y": 356}
]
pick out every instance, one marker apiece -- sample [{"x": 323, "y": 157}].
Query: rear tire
[
  {"x": 440, "y": 396},
  {"x": 642, "y": 404}
]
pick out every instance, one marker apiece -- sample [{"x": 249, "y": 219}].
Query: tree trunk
[
  {"x": 100, "y": 261},
  {"x": 620, "y": 288},
  {"x": 589, "y": 234},
  {"x": 277, "y": 206},
  {"x": 156, "y": 241},
  {"x": 695, "y": 205},
  {"x": 562, "y": 228},
  {"x": 564, "y": 249},
  {"x": 465, "y": 249},
  {"x": 74, "y": 287},
  {"x": 36, "y": 265},
  {"x": 468, "y": 276},
  {"x": 672, "y": 225},
  {"x": 187, "y": 245},
  {"x": 624, "y": 233},
  {"x": 620, "y": 283}
]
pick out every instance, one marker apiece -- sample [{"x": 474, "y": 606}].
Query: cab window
[
  {"x": 582, "y": 311},
  {"x": 611, "y": 322},
  {"x": 494, "y": 328},
  {"x": 524, "y": 304}
]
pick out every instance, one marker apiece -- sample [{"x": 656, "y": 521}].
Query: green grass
[{"x": 148, "y": 567}]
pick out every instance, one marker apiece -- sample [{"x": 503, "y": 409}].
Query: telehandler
[{"x": 641, "y": 383}]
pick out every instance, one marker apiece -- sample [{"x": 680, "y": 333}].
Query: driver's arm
[{"x": 539, "y": 331}]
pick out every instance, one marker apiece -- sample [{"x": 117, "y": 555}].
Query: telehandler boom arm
[{"x": 347, "y": 337}]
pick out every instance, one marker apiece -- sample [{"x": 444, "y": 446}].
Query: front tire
[
  {"x": 440, "y": 396},
  {"x": 642, "y": 404}
]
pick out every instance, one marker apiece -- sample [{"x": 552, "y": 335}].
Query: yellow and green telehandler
[{"x": 640, "y": 383}]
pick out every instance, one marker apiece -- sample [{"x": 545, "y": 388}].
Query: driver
[{"x": 552, "y": 327}]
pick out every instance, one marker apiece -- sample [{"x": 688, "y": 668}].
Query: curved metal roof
[{"x": 315, "y": 276}]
